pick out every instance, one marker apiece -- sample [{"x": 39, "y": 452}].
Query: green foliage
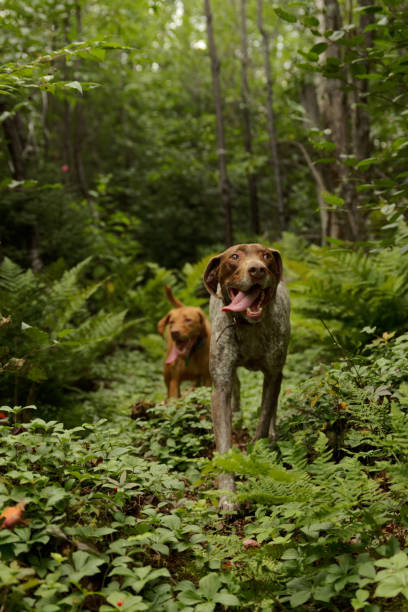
[
  {"x": 357, "y": 294},
  {"x": 41, "y": 317},
  {"x": 106, "y": 190},
  {"x": 118, "y": 511},
  {"x": 16, "y": 77},
  {"x": 193, "y": 293},
  {"x": 328, "y": 500},
  {"x": 83, "y": 498},
  {"x": 148, "y": 300},
  {"x": 110, "y": 508}
]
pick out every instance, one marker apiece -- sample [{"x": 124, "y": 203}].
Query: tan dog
[{"x": 188, "y": 345}]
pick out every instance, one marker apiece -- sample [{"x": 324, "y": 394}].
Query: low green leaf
[
  {"x": 189, "y": 597},
  {"x": 334, "y": 200},
  {"x": 300, "y": 598},
  {"x": 285, "y": 15},
  {"x": 226, "y": 599},
  {"x": 319, "y": 47},
  {"x": 310, "y": 22},
  {"x": 209, "y": 585},
  {"x": 75, "y": 85}
]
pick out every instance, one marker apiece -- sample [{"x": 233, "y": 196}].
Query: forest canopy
[{"x": 110, "y": 138}]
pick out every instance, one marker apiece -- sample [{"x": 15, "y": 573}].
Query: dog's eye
[
  {"x": 187, "y": 319},
  {"x": 235, "y": 256},
  {"x": 267, "y": 256}
]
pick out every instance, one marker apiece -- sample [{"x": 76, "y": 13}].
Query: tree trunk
[
  {"x": 273, "y": 147},
  {"x": 14, "y": 144},
  {"x": 222, "y": 161},
  {"x": 246, "y": 115},
  {"x": 338, "y": 114},
  {"x": 79, "y": 123},
  {"x": 68, "y": 155},
  {"x": 45, "y": 124},
  {"x": 362, "y": 143},
  {"x": 12, "y": 127}
]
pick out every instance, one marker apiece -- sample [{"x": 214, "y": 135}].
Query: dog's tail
[{"x": 176, "y": 302}]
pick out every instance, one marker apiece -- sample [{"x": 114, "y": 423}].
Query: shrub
[{"x": 48, "y": 335}]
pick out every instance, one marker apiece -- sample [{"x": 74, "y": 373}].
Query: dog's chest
[{"x": 258, "y": 346}]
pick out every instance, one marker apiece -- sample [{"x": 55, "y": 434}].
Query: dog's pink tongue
[
  {"x": 174, "y": 353},
  {"x": 242, "y": 300}
]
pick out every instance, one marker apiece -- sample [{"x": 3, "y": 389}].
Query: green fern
[
  {"x": 100, "y": 328},
  {"x": 15, "y": 284},
  {"x": 193, "y": 292},
  {"x": 66, "y": 297},
  {"x": 52, "y": 337},
  {"x": 149, "y": 300},
  {"x": 353, "y": 290}
]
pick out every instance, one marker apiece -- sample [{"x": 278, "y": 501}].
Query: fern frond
[
  {"x": 15, "y": 283},
  {"x": 193, "y": 279},
  {"x": 102, "y": 327},
  {"x": 62, "y": 290},
  {"x": 67, "y": 304}
]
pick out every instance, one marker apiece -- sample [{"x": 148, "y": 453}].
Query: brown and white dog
[
  {"x": 188, "y": 345},
  {"x": 249, "y": 312}
]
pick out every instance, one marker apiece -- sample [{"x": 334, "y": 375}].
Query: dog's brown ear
[
  {"x": 211, "y": 275},
  {"x": 162, "y": 323},
  {"x": 277, "y": 259}
]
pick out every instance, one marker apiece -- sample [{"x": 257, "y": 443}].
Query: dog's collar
[
  {"x": 241, "y": 320},
  {"x": 237, "y": 322},
  {"x": 238, "y": 319}
]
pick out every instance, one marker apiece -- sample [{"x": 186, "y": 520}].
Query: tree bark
[
  {"x": 273, "y": 147},
  {"x": 12, "y": 127},
  {"x": 79, "y": 123},
  {"x": 246, "y": 115},
  {"x": 334, "y": 110},
  {"x": 224, "y": 186},
  {"x": 320, "y": 188},
  {"x": 68, "y": 155},
  {"x": 349, "y": 126},
  {"x": 361, "y": 128},
  {"x": 14, "y": 144}
]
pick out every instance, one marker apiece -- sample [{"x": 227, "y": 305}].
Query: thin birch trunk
[
  {"x": 273, "y": 147},
  {"x": 79, "y": 123},
  {"x": 222, "y": 160},
  {"x": 246, "y": 115}
]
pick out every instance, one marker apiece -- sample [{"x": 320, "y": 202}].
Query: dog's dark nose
[
  {"x": 257, "y": 271},
  {"x": 175, "y": 334}
]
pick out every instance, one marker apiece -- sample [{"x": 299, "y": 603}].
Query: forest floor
[{"x": 121, "y": 506}]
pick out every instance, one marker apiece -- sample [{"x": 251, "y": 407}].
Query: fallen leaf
[
  {"x": 250, "y": 543},
  {"x": 13, "y": 515}
]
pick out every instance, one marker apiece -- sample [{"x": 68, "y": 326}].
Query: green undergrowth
[
  {"x": 112, "y": 516},
  {"x": 121, "y": 511},
  {"x": 326, "y": 506}
]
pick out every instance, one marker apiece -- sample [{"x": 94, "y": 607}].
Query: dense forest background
[
  {"x": 110, "y": 110},
  {"x": 137, "y": 140}
]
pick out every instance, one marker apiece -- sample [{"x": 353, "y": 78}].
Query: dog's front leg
[
  {"x": 223, "y": 374},
  {"x": 172, "y": 382},
  {"x": 222, "y": 424},
  {"x": 270, "y": 394}
]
